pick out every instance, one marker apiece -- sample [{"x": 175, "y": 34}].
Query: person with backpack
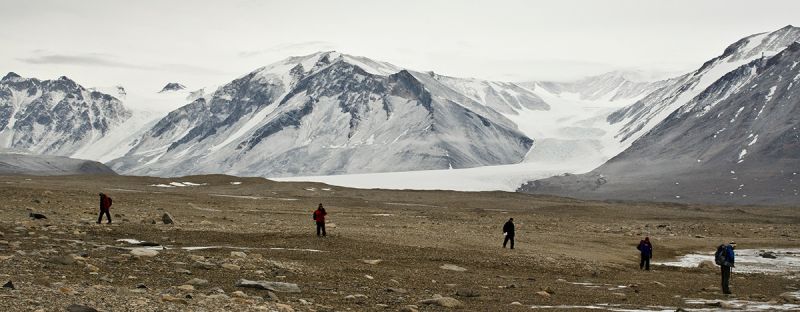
[
  {"x": 646, "y": 250},
  {"x": 508, "y": 231},
  {"x": 724, "y": 257},
  {"x": 319, "y": 218},
  {"x": 105, "y": 206}
]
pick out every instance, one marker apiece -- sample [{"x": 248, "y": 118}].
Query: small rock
[
  {"x": 768, "y": 255},
  {"x": 516, "y": 303},
  {"x": 80, "y": 308},
  {"x": 657, "y": 283},
  {"x": 92, "y": 268},
  {"x": 452, "y": 267},
  {"x": 397, "y": 290},
  {"x": 170, "y": 298},
  {"x": 183, "y": 271},
  {"x": 271, "y": 296},
  {"x": 167, "y": 218},
  {"x": 620, "y": 296},
  {"x": 37, "y": 216},
  {"x": 230, "y": 266},
  {"x": 143, "y": 252},
  {"x": 9, "y": 285},
  {"x": 373, "y": 262},
  {"x": 67, "y": 291},
  {"x": 543, "y": 294},
  {"x": 367, "y": 276},
  {"x": 186, "y": 288},
  {"x": 238, "y": 254},
  {"x": 446, "y": 302},
  {"x": 197, "y": 282},
  {"x": 464, "y": 292},
  {"x": 204, "y": 265},
  {"x": 238, "y": 294},
  {"x": 267, "y": 285},
  {"x": 141, "y": 286}
]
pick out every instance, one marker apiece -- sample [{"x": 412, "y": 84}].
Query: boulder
[
  {"x": 446, "y": 302},
  {"x": 167, "y": 218},
  {"x": 267, "y": 285},
  {"x": 80, "y": 308}
]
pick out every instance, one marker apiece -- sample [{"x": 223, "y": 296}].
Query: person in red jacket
[
  {"x": 319, "y": 218},
  {"x": 105, "y": 205}
]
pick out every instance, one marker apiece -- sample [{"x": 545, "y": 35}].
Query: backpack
[
  {"x": 314, "y": 216},
  {"x": 109, "y": 201},
  {"x": 720, "y": 257}
]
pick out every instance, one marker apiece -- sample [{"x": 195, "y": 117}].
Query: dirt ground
[{"x": 263, "y": 231}]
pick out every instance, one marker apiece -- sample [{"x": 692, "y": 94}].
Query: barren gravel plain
[{"x": 248, "y": 244}]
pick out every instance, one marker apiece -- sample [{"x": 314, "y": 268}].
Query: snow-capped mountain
[
  {"x": 172, "y": 86},
  {"x": 609, "y": 87},
  {"x": 735, "y": 141},
  {"x": 330, "y": 113},
  {"x": 54, "y": 117},
  {"x": 638, "y": 118}
]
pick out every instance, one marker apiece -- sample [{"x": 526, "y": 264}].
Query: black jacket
[{"x": 509, "y": 228}]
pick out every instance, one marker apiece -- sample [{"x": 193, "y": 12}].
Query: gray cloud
[
  {"x": 107, "y": 60},
  {"x": 100, "y": 60},
  {"x": 317, "y": 45}
]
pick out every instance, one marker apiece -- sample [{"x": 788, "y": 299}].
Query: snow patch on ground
[{"x": 748, "y": 261}]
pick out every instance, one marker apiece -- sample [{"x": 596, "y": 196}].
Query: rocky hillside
[
  {"x": 54, "y": 117},
  {"x": 736, "y": 141}
]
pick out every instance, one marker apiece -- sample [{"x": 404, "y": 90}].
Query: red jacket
[
  {"x": 105, "y": 203},
  {"x": 319, "y": 216}
]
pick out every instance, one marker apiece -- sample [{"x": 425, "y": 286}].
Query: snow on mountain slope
[
  {"x": 609, "y": 87},
  {"x": 327, "y": 113},
  {"x": 638, "y": 118},
  {"x": 55, "y": 117},
  {"x": 737, "y": 141}
]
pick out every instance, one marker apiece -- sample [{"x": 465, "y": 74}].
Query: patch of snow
[{"x": 748, "y": 260}]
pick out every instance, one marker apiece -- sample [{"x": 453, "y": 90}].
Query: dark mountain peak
[
  {"x": 172, "y": 86},
  {"x": 10, "y": 75}
]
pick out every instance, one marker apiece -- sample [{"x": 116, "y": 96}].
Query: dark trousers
[
  {"x": 507, "y": 239},
  {"x": 645, "y": 263},
  {"x": 106, "y": 212},
  {"x": 321, "y": 228},
  {"x": 726, "y": 278}
]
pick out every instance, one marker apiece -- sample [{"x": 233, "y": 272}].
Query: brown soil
[{"x": 414, "y": 233}]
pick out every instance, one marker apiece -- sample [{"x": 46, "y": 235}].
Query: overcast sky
[{"x": 145, "y": 44}]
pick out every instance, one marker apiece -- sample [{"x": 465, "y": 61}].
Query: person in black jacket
[{"x": 508, "y": 231}]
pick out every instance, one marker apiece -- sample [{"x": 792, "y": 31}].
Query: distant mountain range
[
  {"x": 718, "y": 134},
  {"x": 728, "y": 132}
]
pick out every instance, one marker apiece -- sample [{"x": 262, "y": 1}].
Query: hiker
[
  {"x": 319, "y": 218},
  {"x": 105, "y": 205},
  {"x": 646, "y": 249},
  {"x": 508, "y": 232},
  {"x": 724, "y": 257}
]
